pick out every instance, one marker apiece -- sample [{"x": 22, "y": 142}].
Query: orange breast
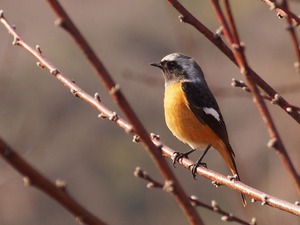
[{"x": 183, "y": 123}]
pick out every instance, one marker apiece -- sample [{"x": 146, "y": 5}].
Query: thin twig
[
  {"x": 229, "y": 217},
  {"x": 56, "y": 191},
  {"x": 160, "y": 148},
  {"x": 282, "y": 11},
  {"x": 118, "y": 97},
  {"x": 293, "y": 35},
  {"x": 238, "y": 52},
  {"x": 276, "y": 100},
  {"x": 188, "y": 18}
]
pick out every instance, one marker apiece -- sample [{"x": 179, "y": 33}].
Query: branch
[
  {"x": 228, "y": 217},
  {"x": 114, "y": 89},
  {"x": 188, "y": 18},
  {"x": 237, "y": 56},
  {"x": 56, "y": 191},
  {"x": 160, "y": 148},
  {"x": 230, "y": 32},
  {"x": 275, "y": 101},
  {"x": 283, "y": 11}
]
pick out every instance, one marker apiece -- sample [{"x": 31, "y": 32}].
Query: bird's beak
[{"x": 157, "y": 65}]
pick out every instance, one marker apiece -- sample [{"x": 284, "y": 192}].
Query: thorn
[
  {"x": 297, "y": 203},
  {"x": 38, "y": 48},
  {"x": 1, "y": 14},
  {"x": 232, "y": 178},
  {"x": 58, "y": 22},
  {"x": 227, "y": 218},
  {"x": 97, "y": 97},
  {"x": 219, "y": 33},
  {"x": 138, "y": 172},
  {"x": 113, "y": 117},
  {"x": 181, "y": 18},
  {"x": 272, "y": 143},
  {"x": 41, "y": 65},
  {"x": 73, "y": 81},
  {"x": 276, "y": 99},
  {"x": 114, "y": 89},
  {"x": 26, "y": 181},
  {"x": 16, "y": 41},
  {"x": 102, "y": 116},
  {"x": 79, "y": 220},
  {"x": 289, "y": 109},
  {"x": 74, "y": 92},
  {"x": 215, "y": 206},
  {"x": 253, "y": 200},
  {"x": 216, "y": 184},
  {"x": 150, "y": 185},
  {"x": 61, "y": 184},
  {"x": 136, "y": 139},
  {"x": 155, "y": 136},
  {"x": 253, "y": 221},
  {"x": 14, "y": 26},
  {"x": 54, "y": 72},
  {"x": 279, "y": 15},
  {"x": 264, "y": 201},
  {"x": 235, "y": 46},
  {"x": 168, "y": 186}
]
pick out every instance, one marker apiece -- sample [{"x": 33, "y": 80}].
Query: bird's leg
[
  {"x": 179, "y": 155},
  {"x": 199, "y": 162}
]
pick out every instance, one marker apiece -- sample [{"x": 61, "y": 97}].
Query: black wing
[{"x": 199, "y": 96}]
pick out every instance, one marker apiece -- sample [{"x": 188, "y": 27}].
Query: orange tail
[{"x": 228, "y": 155}]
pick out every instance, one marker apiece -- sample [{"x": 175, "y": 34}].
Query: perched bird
[{"x": 191, "y": 111}]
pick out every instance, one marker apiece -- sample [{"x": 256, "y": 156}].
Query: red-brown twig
[
  {"x": 274, "y": 101},
  {"x": 136, "y": 126},
  {"x": 160, "y": 148},
  {"x": 188, "y": 18},
  {"x": 282, "y": 11},
  {"x": 230, "y": 33},
  {"x": 228, "y": 217},
  {"x": 292, "y": 21},
  {"x": 237, "y": 56},
  {"x": 56, "y": 191},
  {"x": 293, "y": 35}
]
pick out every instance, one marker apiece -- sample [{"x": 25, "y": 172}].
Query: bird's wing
[{"x": 204, "y": 106}]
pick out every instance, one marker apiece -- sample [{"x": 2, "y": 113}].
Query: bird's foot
[
  {"x": 195, "y": 166},
  {"x": 179, "y": 155}
]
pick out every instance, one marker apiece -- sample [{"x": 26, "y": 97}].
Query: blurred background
[{"x": 62, "y": 137}]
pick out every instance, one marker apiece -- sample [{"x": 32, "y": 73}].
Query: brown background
[{"x": 62, "y": 136}]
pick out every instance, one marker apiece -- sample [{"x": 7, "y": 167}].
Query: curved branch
[
  {"x": 160, "y": 148},
  {"x": 237, "y": 57},
  {"x": 56, "y": 191},
  {"x": 188, "y": 18},
  {"x": 136, "y": 126}
]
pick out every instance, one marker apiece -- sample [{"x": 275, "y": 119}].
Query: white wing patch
[{"x": 212, "y": 112}]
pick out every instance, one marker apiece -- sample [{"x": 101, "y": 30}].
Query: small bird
[{"x": 191, "y": 111}]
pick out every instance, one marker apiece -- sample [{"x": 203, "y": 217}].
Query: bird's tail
[{"x": 228, "y": 156}]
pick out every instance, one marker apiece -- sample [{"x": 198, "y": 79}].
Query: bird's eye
[{"x": 172, "y": 65}]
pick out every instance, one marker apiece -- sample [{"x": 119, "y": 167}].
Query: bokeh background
[{"x": 63, "y": 138}]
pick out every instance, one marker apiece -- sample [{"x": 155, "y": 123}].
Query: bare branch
[
  {"x": 160, "y": 148},
  {"x": 228, "y": 217},
  {"x": 237, "y": 56},
  {"x": 135, "y": 124},
  {"x": 56, "y": 191},
  {"x": 188, "y": 18},
  {"x": 283, "y": 11}
]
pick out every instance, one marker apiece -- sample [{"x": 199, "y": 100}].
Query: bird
[{"x": 192, "y": 113}]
